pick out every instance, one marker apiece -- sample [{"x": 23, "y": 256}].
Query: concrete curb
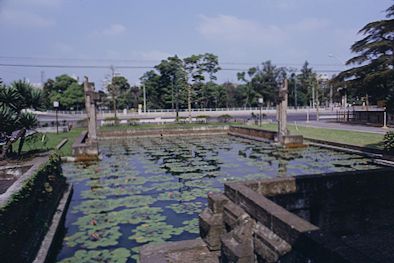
[{"x": 47, "y": 244}]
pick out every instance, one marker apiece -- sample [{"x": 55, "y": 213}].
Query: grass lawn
[
  {"x": 365, "y": 139},
  {"x": 53, "y": 140},
  {"x": 161, "y": 126}
]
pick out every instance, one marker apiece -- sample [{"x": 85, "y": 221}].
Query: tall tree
[
  {"x": 373, "y": 71},
  {"x": 261, "y": 82},
  {"x": 66, "y": 90}
]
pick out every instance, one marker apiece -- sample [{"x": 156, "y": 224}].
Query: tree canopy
[{"x": 373, "y": 71}]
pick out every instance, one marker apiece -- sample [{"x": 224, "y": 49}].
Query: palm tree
[{"x": 16, "y": 121}]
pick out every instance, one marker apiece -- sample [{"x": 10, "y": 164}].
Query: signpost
[
  {"x": 56, "y": 106},
  {"x": 261, "y": 101}
]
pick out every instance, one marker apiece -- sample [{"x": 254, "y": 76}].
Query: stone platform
[
  {"x": 191, "y": 251},
  {"x": 323, "y": 218}
]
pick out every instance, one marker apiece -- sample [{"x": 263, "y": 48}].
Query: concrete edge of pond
[
  {"x": 48, "y": 242},
  {"x": 19, "y": 183},
  {"x": 198, "y": 131},
  {"x": 375, "y": 154}
]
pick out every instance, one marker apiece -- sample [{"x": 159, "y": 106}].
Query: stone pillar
[
  {"x": 211, "y": 221},
  {"x": 90, "y": 105},
  {"x": 282, "y": 112}
]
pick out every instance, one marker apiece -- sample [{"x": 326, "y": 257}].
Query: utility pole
[
  {"x": 42, "y": 77},
  {"x": 295, "y": 92},
  {"x": 144, "y": 91},
  {"x": 113, "y": 91}
]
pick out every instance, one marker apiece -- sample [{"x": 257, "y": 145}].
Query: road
[{"x": 293, "y": 115}]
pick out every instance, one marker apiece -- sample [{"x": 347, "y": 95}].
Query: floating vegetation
[
  {"x": 95, "y": 238},
  {"x": 119, "y": 255},
  {"x": 191, "y": 226},
  {"x": 99, "y": 206},
  {"x": 186, "y": 208},
  {"x": 151, "y": 190},
  {"x": 155, "y": 232}
]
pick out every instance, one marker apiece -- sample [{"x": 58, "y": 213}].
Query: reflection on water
[{"x": 151, "y": 190}]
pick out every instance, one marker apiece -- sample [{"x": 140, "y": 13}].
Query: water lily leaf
[
  {"x": 119, "y": 255},
  {"x": 189, "y": 208},
  {"x": 154, "y": 232},
  {"x": 94, "y": 238}
]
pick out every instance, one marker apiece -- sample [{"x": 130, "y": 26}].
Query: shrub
[
  {"x": 224, "y": 118},
  {"x": 202, "y": 117},
  {"x": 388, "y": 142},
  {"x": 133, "y": 121},
  {"x": 111, "y": 119}
]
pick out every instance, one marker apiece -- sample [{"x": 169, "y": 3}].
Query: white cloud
[
  {"x": 20, "y": 18},
  {"x": 112, "y": 30},
  {"x": 225, "y": 28},
  {"x": 155, "y": 55},
  {"x": 231, "y": 28}
]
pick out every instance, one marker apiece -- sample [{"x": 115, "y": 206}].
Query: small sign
[
  {"x": 56, "y": 104},
  {"x": 261, "y": 100}
]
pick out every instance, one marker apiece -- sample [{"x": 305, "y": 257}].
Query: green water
[{"x": 151, "y": 190}]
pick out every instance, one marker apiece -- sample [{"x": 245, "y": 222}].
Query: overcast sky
[{"x": 240, "y": 32}]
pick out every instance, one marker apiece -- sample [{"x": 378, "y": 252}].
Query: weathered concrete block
[
  {"x": 269, "y": 246},
  {"x": 234, "y": 251},
  {"x": 237, "y": 245},
  {"x": 192, "y": 251},
  {"x": 211, "y": 227},
  {"x": 293, "y": 141},
  {"x": 231, "y": 215},
  {"x": 216, "y": 202}
]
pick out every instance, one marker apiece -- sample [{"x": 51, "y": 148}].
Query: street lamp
[
  {"x": 56, "y": 106},
  {"x": 261, "y": 101}
]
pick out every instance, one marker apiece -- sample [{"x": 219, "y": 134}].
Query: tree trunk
[
  {"x": 8, "y": 145},
  {"x": 21, "y": 142}
]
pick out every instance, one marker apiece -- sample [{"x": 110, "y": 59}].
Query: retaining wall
[
  {"x": 27, "y": 207},
  {"x": 162, "y": 132}
]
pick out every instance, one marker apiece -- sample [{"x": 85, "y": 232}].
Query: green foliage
[
  {"x": 66, "y": 91},
  {"x": 156, "y": 232},
  {"x": 373, "y": 73},
  {"x": 14, "y": 100},
  {"x": 119, "y": 255},
  {"x": 224, "y": 118},
  {"x": 388, "y": 142},
  {"x": 27, "y": 214},
  {"x": 112, "y": 118}
]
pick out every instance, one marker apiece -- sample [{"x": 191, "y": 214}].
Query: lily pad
[{"x": 154, "y": 232}]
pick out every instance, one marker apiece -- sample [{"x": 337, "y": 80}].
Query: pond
[{"x": 151, "y": 190}]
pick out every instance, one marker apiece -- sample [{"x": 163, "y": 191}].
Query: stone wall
[
  {"x": 252, "y": 133},
  {"x": 303, "y": 219},
  {"x": 162, "y": 132},
  {"x": 27, "y": 207}
]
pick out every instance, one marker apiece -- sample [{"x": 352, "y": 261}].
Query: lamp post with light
[
  {"x": 56, "y": 106},
  {"x": 261, "y": 101}
]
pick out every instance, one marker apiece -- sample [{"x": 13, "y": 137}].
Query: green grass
[
  {"x": 161, "y": 126},
  {"x": 364, "y": 139},
  {"x": 53, "y": 140}
]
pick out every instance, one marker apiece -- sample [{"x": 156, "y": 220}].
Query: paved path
[{"x": 343, "y": 126}]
